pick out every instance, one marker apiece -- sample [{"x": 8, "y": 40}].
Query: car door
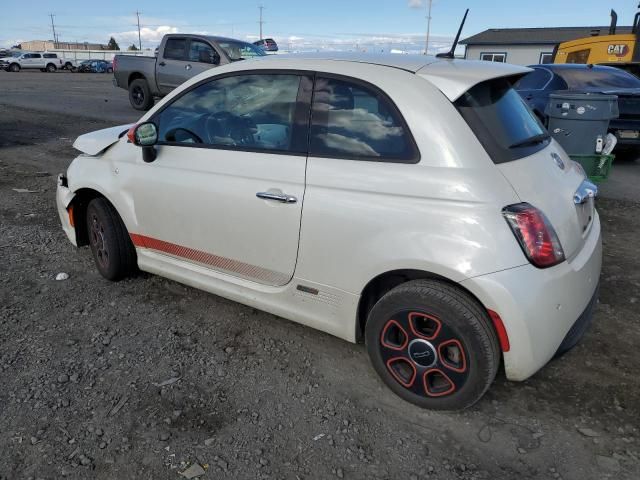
[
  {"x": 226, "y": 189},
  {"x": 37, "y": 61},
  {"x": 172, "y": 67},
  {"x": 201, "y": 56}
]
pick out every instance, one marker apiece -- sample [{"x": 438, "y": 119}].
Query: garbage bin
[{"x": 577, "y": 120}]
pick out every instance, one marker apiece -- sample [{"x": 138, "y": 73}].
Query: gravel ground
[{"x": 145, "y": 377}]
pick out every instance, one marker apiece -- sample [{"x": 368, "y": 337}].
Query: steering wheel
[
  {"x": 182, "y": 135},
  {"x": 228, "y": 128}
]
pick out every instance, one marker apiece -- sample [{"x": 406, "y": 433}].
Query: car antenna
[{"x": 451, "y": 53}]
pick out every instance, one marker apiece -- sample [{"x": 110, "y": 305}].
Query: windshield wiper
[{"x": 531, "y": 140}]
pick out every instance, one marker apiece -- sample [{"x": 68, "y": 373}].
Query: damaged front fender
[{"x": 64, "y": 197}]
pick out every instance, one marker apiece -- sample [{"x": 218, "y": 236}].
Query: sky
[{"x": 374, "y": 25}]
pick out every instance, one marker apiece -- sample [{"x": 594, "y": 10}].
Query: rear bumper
[{"x": 539, "y": 307}]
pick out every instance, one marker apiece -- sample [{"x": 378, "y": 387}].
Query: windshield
[
  {"x": 501, "y": 120},
  {"x": 588, "y": 78},
  {"x": 240, "y": 50}
]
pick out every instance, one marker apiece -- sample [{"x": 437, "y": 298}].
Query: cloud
[
  {"x": 415, "y": 3},
  {"x": 148, "y": 35}
]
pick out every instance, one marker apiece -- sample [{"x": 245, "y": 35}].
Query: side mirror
[{"x": 145, "y": 135}]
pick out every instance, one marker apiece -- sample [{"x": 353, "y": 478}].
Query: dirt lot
[{"x": 246, "y": 394}]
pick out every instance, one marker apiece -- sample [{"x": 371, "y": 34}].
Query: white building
[{"x": 525, "y": 46}]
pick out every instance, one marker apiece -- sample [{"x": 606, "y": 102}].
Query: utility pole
[
  {"x": 53, "y": 27},
  {"x": 139, "y": 37},
  {"x": 261, "y": 7},
  {"x": 426, "y": 46}
]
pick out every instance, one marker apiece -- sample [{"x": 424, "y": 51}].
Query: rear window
[
  {"x": 594, "y": 77},
  {"x": 504, "y": 124}
]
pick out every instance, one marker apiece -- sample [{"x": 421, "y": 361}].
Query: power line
[{"x": 139, "y": 36}]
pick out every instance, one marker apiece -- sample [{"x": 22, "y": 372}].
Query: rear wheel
[
  {"x": 433, "y": 345},
  {"x": 51, "y": 68},
  {"x": 140, "y": 95},
  {"x": 113, "y": 251}
]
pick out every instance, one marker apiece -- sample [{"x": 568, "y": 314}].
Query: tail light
[{"x": 536, "y": 236}]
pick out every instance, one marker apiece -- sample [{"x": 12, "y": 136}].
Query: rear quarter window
[{"x": 503, "y": 123}]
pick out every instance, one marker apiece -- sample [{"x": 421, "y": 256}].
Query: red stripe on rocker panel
[{"x": 253, "y": 272}]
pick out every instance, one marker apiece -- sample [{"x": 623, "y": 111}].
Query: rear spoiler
[{"x": 455, "y": 77}]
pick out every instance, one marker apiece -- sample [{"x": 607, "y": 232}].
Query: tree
[
  {"x": 113, "y": 45},
  {"x": 132, "y": 47}
]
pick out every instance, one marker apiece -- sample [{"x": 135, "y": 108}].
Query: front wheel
[
  {"x": 433, "y": 345},
  {"x": 113, "y": 251},
  {"x": 14, "y": 67},
  {"x": 140, "y": 95}
]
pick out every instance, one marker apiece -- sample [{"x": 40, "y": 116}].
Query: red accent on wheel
[
  {"x": 384, "y": 334},
  {"x": 451, "y": 389},
  {"x": 429, "y": 317},
  {"x": 400, "y": 380},
  {"x": 443, "y": 358}
]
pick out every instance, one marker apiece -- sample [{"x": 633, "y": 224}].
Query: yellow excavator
[{"x": 615, "y": 49}]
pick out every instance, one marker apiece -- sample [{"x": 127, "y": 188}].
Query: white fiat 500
[{"x": 412, "y": 203}]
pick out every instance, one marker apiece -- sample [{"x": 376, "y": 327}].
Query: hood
[{"x": 95, "y": 142}]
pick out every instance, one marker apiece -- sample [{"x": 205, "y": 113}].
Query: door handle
[
  {"x": 187, "y": 67},
  {"x": 162, "y": 64},
  {"x": 277, "y": 197}
]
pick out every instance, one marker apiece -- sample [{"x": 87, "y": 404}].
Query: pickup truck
[{"x": 179, "y": 58}]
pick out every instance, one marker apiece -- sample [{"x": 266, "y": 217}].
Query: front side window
[
  {"x": 252, "y": 111},
  {"x": 501, "y": 120},
  {"x": 175, "y": 49},
  {"x": 201, "y": 52},
  {"x": 494, "y": 57},
  {"x": 353, "y": 121}
]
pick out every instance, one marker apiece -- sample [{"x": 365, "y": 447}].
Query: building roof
[{"x": 529, "y": 36}]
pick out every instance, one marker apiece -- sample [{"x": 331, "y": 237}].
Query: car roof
[
  {"x": 212, "y": 38},
  {"x": 574, "y": 66},
  {"x": 452, "y": 77}
]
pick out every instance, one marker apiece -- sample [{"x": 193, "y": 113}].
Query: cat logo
[{"x": 619, "y": 50}]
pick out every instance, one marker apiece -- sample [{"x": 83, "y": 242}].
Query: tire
[
  {"x": 68, "y": 66},
  {"x": 14, "y": 67},
  {"x": 51, "y": 68},
  {"x": 113, "y": 251},
  {"x": 140, "y": 95},
  {"x": 433, "y": 345},
  {"x": 109, "y": 70}
]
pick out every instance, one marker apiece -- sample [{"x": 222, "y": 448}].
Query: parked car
[
  {"x": 267, "y": 44},
  {"x": 94, "y": 66},
  {"x": 180, "y": 57},
  {"x": 46, "y": 62},
  {"x": 546, "y": 79},
  {"x": 412, "y": 203}
]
